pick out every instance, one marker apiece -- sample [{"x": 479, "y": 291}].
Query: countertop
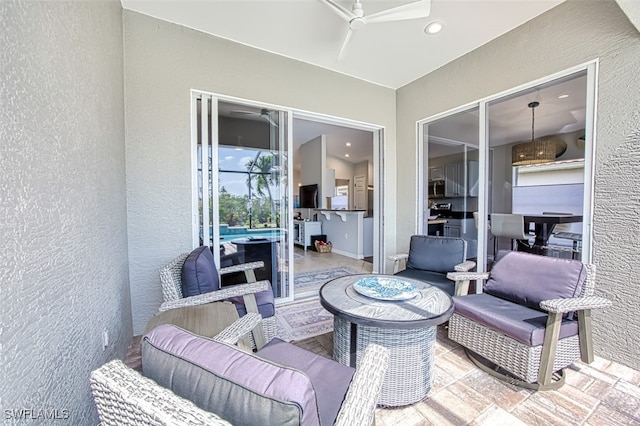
[{"x": 436, "y": 221}]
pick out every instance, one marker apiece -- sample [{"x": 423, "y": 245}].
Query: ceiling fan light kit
[
  {"x": 537, "y": 151},
  {"x": 357, "y": 19}
]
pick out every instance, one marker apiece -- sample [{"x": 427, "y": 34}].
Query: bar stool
[{"x": 511, "y": 226}]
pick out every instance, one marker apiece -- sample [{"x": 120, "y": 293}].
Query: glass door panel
[
  {"x": 539, "y": 166},
  {"x": 243, "y": 208},
  {"x": 451, "y": 178}
]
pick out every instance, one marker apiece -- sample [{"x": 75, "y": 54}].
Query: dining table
[{"x": 544, "y": 225}]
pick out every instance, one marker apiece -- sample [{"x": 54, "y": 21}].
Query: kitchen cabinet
[
  {"x": 436, "y": 173},
  {"x": 303, "y": 230},
  {"x": 455, "y": 184},
  {"x": 451, "y": 230},
  {"x": 466, "y": 229}
]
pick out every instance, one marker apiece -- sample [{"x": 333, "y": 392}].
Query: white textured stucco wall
[
  {"x": 163, "y": 61},
  {"x": 568, "y": 35},
  {"x": 62, "y": 202}
]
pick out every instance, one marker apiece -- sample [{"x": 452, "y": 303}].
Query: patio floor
[{"x": 601, "y": 393}]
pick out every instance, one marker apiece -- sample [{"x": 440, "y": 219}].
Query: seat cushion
[
  {"x": 519, "y": 322},
  {"x": 199, "y": 274},
  {"x": 236, "y": 385},
  {"x": 437, "y": 254},
  {"x": 436, "y": 279},
  {"x": 330, "y": 379},
  {"x": 528, "y": 279},
  {"x": 264, "y": 299}
]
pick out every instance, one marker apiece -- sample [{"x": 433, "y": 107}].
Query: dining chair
[{"x": 509, "y": 225}]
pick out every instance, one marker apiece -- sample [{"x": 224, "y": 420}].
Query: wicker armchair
[
  {"x": 125, "y": 397},
  {"x": 430, "y": 258},
  {"x": 524, "y": 322},
  {"x": 171, "y": 280}
]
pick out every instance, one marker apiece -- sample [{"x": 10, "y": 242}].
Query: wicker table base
[
  {"x": 406, "y": 327},
  {"x": 411, "y": 354}
]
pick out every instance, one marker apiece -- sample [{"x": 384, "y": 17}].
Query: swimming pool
[{"x": 249, "y": 234}]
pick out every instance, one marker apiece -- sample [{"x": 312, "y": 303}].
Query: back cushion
[
  {"x": 199, "y": 274},
  {"x": 437, "y": 254},
  {"x": 527, "y": 279},
  {"x": 238, "y": 386}
]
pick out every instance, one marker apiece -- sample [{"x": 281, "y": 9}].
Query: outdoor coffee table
[{"x": 407, "y": 328}]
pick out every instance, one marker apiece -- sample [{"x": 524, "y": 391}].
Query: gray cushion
[
  {"x": 238, "y": 386},
  {"x": 436, "y": 279},
  {"x": 519, "y": 322},
  {"x": 528, "y": 279},
  {"x": 199, "y": 274},
  {"x": 437, "y": 254},
  {"x": 264, "y": 299},
  {"x": 330, "y": 379}
]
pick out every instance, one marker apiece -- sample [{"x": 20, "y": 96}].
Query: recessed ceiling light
[
  {"x": 348, "y": 143},
  {"x": 433, "y": 28},
  {"x": 563, "y": 96},
  {"x": 346, "y": 155}
]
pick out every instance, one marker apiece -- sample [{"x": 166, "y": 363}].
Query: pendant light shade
[{"x": 537, "y": 151}]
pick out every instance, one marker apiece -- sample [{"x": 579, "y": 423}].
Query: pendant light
[{"x": 537, "y": 151}]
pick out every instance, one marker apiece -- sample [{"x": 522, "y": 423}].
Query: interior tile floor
[
  {"x": 312, "y": 261},
  {"x": 598, "y": 394}
]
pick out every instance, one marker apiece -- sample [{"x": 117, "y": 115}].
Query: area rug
[
  {"x": 302, "y": 320},
  {"x": 306, "y": 280}
]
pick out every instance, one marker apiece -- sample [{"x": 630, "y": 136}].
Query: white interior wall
[{"x": 570, "y": 34}]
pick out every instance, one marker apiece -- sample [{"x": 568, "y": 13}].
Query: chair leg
[
  {"x": 584, "y": 334},
  {"x": 549, "y": 347}
]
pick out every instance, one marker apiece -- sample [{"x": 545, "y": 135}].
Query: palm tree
[{"x": 262, "y": 170}]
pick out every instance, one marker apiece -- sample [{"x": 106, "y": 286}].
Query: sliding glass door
[
  {"x": 243, "y": 203},
  {"x": 527, "y": 152}
]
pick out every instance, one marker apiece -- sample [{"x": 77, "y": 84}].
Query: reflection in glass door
[
  {"x": 247, "y": 218},
  {"x": 451, "y": 186}
]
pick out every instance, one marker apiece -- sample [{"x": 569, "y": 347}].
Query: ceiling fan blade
[
  {"x": 343, "y": 49},
  {"x": 237, "y": 111},
  {"x": 345, "y": 14},
  {"x": 268, "y": 118},
  {"x": 415, "y": 10}
]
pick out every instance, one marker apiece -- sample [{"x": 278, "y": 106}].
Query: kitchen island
[{"x": 350, "y": 233}]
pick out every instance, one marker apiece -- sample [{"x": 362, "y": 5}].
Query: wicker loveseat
[
  {"x": 532, "y": 320},
  {"x": 193, "y": 380}
]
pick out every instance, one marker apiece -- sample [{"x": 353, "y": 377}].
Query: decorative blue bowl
[{"x": 385, "y": 288}]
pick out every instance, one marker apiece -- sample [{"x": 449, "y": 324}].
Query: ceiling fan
[
  {"x": 264, "y": 114},
  {"x": 357, "y": 19}
]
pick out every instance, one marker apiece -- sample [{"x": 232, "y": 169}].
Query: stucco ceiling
[{"x": 391, "y": 54}]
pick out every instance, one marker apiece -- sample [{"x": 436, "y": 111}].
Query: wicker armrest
[
  {"x": 215, "y": 296},
  {"x": 240, "y": 328},
  {"x": 463, "y": 276},
  {"x": 125, "y": 397},
  {"x": 241, "y": 268},
  {"x": 465, "y": 266},
  {"x": 396, "y": 260},
  {"x": 397, "y": 257},
  {"x": 574, "y": 304},
  {"x": 358, "y": 407}
]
